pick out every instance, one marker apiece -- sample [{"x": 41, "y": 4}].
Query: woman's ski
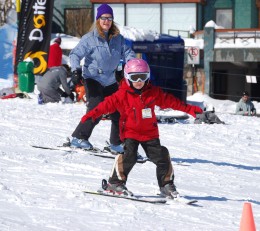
[{"x": 94, "y": 152}]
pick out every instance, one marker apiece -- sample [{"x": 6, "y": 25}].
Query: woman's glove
[
  {"x": 72, "y": 96},
  {"x": 76, "y": 77}
]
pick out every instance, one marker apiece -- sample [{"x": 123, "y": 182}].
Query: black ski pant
[
  {"x": 158, "y": 154},
  {"x": 95, "y": 93}
]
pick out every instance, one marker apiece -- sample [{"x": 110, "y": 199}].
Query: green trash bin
[{"x": 25, "y": 76}]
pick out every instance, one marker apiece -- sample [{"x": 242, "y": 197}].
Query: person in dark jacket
[
  {"x": 135, "y": 100},
  {"x": 49, "y": 84},
  {"x": 55, "y": 54},
  {"x": 103, "y": 48}
]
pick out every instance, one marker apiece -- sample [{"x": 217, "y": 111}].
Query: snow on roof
[
  {"x": 68, "y": 42},
  {"x": 189, "y": 42},
  {"x": 135, "y": 34},
  {"x": 213, "y": 24}
]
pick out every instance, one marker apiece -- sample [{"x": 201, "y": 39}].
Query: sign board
[
  {"x": 251, "y": 79},
  {"x": 193, "y": 54}
]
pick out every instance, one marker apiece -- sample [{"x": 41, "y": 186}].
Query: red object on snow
[
  {"x": 55, "y": 56},
  {"x": 9, "y": 96}
]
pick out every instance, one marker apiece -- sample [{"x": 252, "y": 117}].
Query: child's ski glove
[
  {"x": 195, "y": 110},
  {"x": 94, "y": 114}
]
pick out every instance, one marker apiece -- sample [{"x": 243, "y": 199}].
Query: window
[
  {"x": 143, "y": 16},
  {"x": 224, "y": 18},
  {"x": 178, "y": 17}
]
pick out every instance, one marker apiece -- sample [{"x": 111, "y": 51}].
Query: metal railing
[
  {"x": 181, "y": 33},
  {"x": 233, "y": 36},
  {"x": 237, "y": 36}
]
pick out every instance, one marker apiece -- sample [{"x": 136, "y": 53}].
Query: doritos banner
[{"x": 34, "y": 33}]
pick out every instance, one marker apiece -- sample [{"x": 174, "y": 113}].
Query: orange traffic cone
[{"x": 247, "y": 222}]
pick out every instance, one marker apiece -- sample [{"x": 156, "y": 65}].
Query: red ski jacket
[
  {"x": 137, "y": 117},
  {"x": 55, "y": 56}
]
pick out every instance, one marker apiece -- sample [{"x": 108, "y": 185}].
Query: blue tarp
[{"x": 165, "y": 57}]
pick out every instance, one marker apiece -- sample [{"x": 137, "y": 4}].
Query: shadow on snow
[
  {"x": 213, "y": 198},
  {"x": 200, "y": 161}
]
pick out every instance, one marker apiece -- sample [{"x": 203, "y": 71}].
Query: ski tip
[
  {"x": 67, "y": 143},
  {"x": 192, "y": 202}
]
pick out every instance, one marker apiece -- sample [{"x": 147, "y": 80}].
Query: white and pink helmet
[{"x": 136, "y": 70}]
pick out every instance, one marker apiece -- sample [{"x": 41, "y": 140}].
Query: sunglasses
[
  {"x": 138, "y": 77},
  {"x": 106, "y": 18}
]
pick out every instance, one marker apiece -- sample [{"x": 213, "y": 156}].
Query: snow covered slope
[{"x": 42, "y": 190}]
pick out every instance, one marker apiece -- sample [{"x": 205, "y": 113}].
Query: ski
[
  {"x": 146, "y": 199},
  {"x": 184, "y": 200},
  {"x": 167, "y": 119},
  {"x": 94, "y": 152},
  {"x": 97, "y": 152},
  {"x": 51, "y": 148},
  {"x": 104, "y": 191},
  {"x": 181, "y": 163},
  {"x": 180, "y": 199}
]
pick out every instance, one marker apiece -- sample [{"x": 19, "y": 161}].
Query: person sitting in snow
[
  {"x": 135, "y": 101},
  {"x": 245, "y": 107},
  {"x": 49, "y": 84}
]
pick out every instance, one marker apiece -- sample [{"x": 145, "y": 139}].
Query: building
[
  {"x": 72, "y": 17},
  {"x": 163, "y": 16},
  {"x": 231, "y": 54},
  {"x": 228, "y": 59}
]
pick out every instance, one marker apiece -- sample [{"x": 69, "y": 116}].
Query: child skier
[{"x": 135, "y": 100}]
